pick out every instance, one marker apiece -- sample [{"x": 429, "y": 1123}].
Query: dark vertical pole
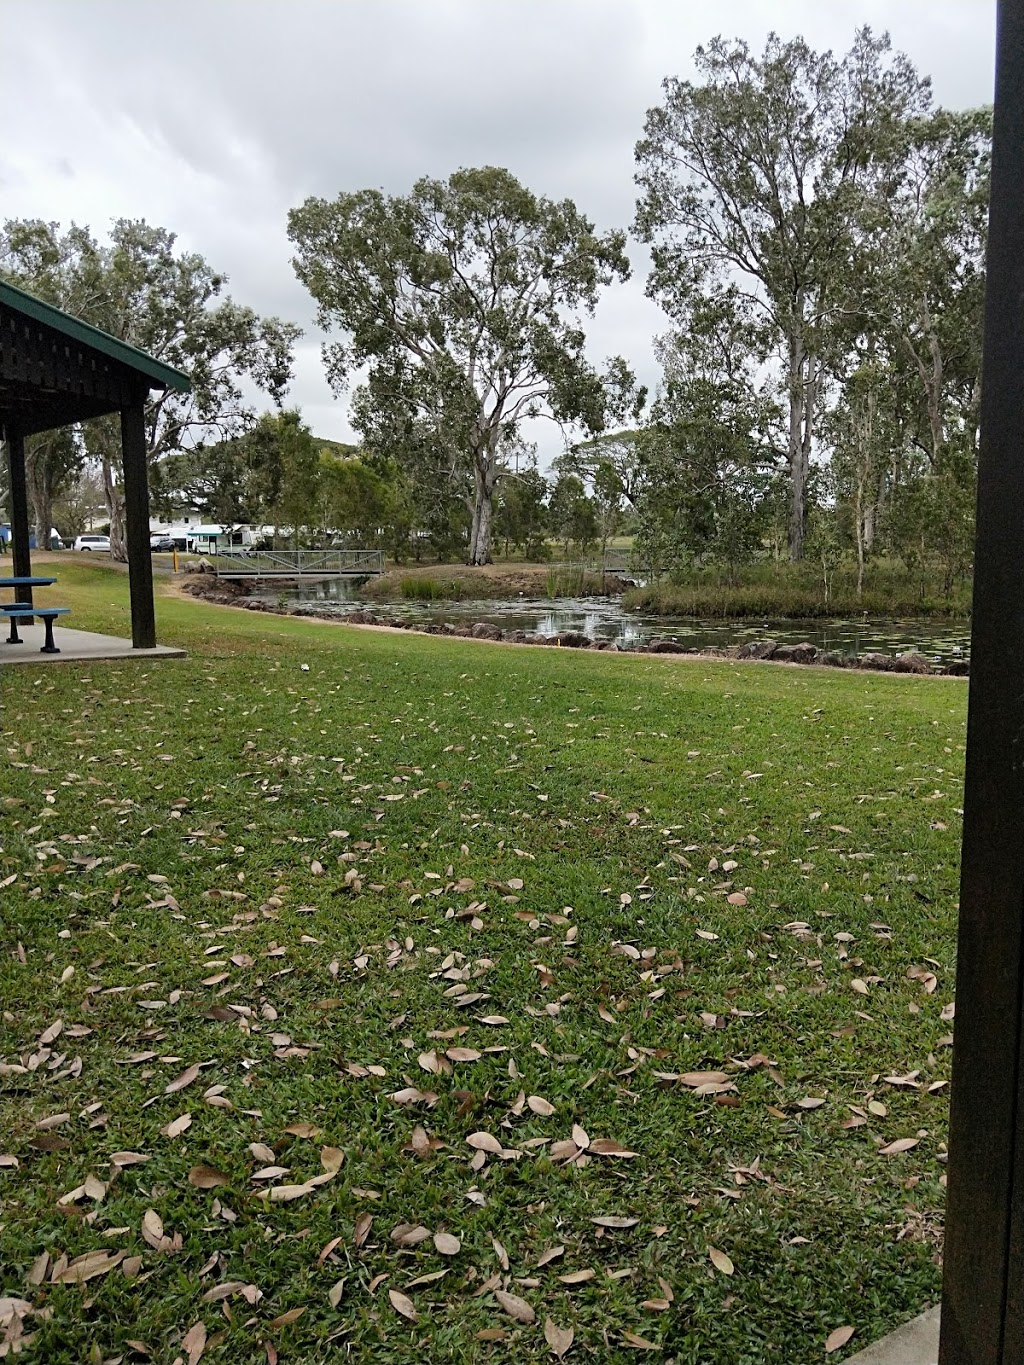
[
  {"x": 136, "y": 510},
  {"x": 982, "y": 1306},
  {"x": 15, "y": 443}
]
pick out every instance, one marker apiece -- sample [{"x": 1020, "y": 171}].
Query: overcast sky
[{"x": 213, "y": 117}]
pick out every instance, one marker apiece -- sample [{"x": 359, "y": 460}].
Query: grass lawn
[{"x": 367, "y": 973}]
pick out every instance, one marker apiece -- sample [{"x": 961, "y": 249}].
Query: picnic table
[{"x": 24, "y": 611}]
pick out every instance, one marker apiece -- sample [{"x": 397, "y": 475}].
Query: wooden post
[
  {"x": 15, "y": 443},
  {"x": 136, "y": 509},
  {"x": 983, "y": 1282}
]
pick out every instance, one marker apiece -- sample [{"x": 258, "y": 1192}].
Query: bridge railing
[{"x": 242, "y": 563}]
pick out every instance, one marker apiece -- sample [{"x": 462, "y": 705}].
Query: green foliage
[
  {"x": 572, "y": 516},
  {"x": 463, "y": 299},
  {"x": 725, "y": 170},
  {"x": 521, "y": 513},
  {"x": 420, "y": 589},
  {"x": 139, "y": 286}
]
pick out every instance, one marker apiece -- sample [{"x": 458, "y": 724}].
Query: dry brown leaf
[
  {"x": 577, "y": 1276},
  {"x": 401, "y": 1303},
  {"x": 194, "y": 1341},
  {"x": 614, "y": 1221},
  {"x": 721, "y": 1261},
  {"x": 207, "y": 1177},
  {"x": 810, "y": 1102},
  {"x": 639, "y": 1343},
  {"x": 152, "y": 1228},
  {"x": 484, "y": 1142},
  {"x": 463, "y": 1054},
  {"x": 694, "y": 1079},
  {"x": 609, "y": 1147},
  {"x": 283, "y": 1194},
  {"x": 303, "y": 1130},
  {"x": 409, "y": 1234},
  {"x": 190, "y": 1074},
  {"x": 540, "y": 1106},
  {"x": 362, "y": 1229},
  {"x": 446, "y": 1244},
  {"x": 177, "y": 1126},
  {"x": 560, "y": 1339},
  {"x": 515, "y": 1307},
  {"x": 331, "y": 1158},
  {"x": 837, "y": 1340},
  {"x": 900, "y": 1145},
  {"x": 579, "y": 1136},
  {"x": 86, "y": 1267},
  {"x": 335, "y": 1292},
  {"x": 286, "y": 1319}
]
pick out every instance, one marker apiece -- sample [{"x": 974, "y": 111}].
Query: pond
[{"x": 603, "y": 618}]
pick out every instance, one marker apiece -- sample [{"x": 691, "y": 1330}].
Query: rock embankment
[{"x": 234, "y": 595}]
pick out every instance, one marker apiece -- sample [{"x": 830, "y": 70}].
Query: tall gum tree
[
  {"x": 463, "y": 300},
  {"x": 141, "y": 288},
  {"x": 748, "y": 179}
]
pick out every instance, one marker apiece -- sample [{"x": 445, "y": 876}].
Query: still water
[{"x": 603, "y": 618}]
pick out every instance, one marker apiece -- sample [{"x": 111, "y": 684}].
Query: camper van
[{"x": 207, "y": 540}]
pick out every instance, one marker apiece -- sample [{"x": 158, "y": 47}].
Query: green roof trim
[{"x": 166, "y": 376}]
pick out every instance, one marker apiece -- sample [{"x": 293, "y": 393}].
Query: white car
[{"x": 93, "y": 543}]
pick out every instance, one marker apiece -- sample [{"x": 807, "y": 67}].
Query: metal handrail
[{"x": 256, "y": 563}]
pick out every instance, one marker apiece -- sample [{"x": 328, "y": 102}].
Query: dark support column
[
  {"x": 136, "y": 507},
  {"x": 983, "y": 1284},
  {"x": 15, "y": 443}
]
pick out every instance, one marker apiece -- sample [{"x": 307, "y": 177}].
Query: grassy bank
[
  {"x": 265, "y": 927},
  {"x": 491, "y": 582},
  {"x": 798, "y": 591}
]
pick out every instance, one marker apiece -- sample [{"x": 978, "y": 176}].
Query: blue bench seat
[{"x": 21, "y": 611}]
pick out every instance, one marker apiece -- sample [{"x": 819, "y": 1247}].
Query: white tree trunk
[{"x": 115, "y": 511}]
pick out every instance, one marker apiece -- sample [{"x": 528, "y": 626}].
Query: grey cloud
[{"x": 216, "y": 117}]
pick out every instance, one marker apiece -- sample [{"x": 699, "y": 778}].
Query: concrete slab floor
[
  {"x": 915, "y": 1343},
  {"x": 76, "y": 646}
]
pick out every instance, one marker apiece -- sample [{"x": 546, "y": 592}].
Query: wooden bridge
[{"x": 241, "y": 563}]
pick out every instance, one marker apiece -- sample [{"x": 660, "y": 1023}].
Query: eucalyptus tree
[
  {"x": 141, "y": 288},
  {"x": 464, "y": 300},
  {"x": 748, "y": 181}
]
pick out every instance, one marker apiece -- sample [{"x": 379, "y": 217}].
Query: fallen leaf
[
  {"x": 721, "y": 1261},
  {"x": 639, "y": 1343},
  {"x": 303, "y": 1130},
  {"x": 609, "y": 1147},
  {"x": 615, "y": 1222},
  {"x": 543, "y": 1107},
  {"x": 401, "y": 1303},
  {"x": 515, "y": 1307},
  {"x": 87, "y": 1267},
  {"x": 484, "y": 1142},
  {"x": 578, "y": 1276},
  {"x": 409, "y": 1234},
  {"x": 446, "y": 1244},
  {"x": 335, "y": 1292},
  {"x": 286, "y": 1319},
  {"x": 560, "y": 1339},
  {"x": 699, "y": 1078},
  {"x": 190, "y": 1074},
  {"x": 837, "y": 1340},
  {"x": 194, "y": 1341},
  {"x": 362, "y": 1229},
  {"x": 331, "y": 1158},
  {"x": 900, "y": 1145},
  {"x": 207, "y": 1177}
]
